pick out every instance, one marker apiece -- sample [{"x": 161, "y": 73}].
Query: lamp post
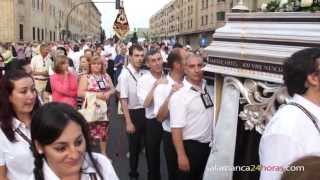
[{"x": 118, "y": 3}]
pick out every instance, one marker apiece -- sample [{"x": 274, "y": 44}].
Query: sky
[{"x": 138, "y": 12}]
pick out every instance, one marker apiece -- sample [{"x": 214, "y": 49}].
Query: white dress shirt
[
  {"x": 110, "y": 50},
  {"x": 75, "y": 56},
  {"x": 289, "y": 135},
  {"x": 161, "y": 93},
  {"x": 188, "y": 112},
  {"x": 127, "y": 86},
  {"x": 40, "y": 64},
  {"x": 103, "y": 162},
  {"x": 145, "y": 84},
  {"x": 16, "y": 156}
]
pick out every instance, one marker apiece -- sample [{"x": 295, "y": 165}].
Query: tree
[
  {"x": 134, "y": 38},
  {"x": 102, "y": 36}
]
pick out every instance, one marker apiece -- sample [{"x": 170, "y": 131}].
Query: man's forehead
[
  {"x": 155, "y": 55},
  {"x": 195, "y": 60},
  {"x": 136, "y": 51}
]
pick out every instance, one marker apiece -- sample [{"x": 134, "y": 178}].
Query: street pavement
[{"x": 118, "y": 148}]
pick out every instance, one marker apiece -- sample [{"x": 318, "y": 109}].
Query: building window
[
  {"x": 212, "y": 18},
  {"x": 38, "y": 4},
  {"x": 221, "y": 16},
  {"x": 21, "y": 31},
  {"x": 201, "y": 20},
  {"x": 54, "y": 36},
  {"x": 34, "y": 33},
  {"x": 207, "y": 4},
  {"x": 206, "y": 20},
  {"x": 42, "y": 34},
  {"x": 38, "y": 34},
  {"x": 33, "y": 4},
  {"x": 42, "y": 6},
  {"x": 50, "y": 35}
]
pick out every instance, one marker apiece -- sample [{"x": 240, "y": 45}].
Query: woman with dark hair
[
  {"x": 18, "y": 101},
  {"x": 62, "y": 146}
]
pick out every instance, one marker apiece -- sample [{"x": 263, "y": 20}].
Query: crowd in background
[
  {"x": 63, "y": 72},
  {"x": 164, "y": 99}
]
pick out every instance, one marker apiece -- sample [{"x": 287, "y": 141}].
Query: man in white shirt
[
  {"x": 293, "y": 132},
  {"x": 133, "y": 110},
  {"x": 75, "y": 56},
  {"x": 163, "y": 52},
  {"x": 162, "y": 95},
  {"x": 191, "y": 121},
  {"x": 145, "y": 91},
  {"x": 40, "y": 65}
]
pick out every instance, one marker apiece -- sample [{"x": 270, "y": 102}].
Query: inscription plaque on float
[{"x": 248, "y": 65}]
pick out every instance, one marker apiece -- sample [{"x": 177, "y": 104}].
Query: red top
[{"x": 64, "y": 89}]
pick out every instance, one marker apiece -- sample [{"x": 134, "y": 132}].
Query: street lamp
[{"x": 119, "y": 5}]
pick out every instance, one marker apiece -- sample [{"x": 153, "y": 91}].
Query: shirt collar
[
  {"x": 48, "y": 172},
  {"x": 310, "y": 106},
  {"x": 18, "y": 124},
  {"x": 188, "y": 85},
  {"x": 50, "y": 175},
  {"x": 132, "y": 69},
  {"x": 170, "y": 80}
]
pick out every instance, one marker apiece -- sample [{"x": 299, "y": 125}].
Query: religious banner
[{"x": 121, "y": 25}]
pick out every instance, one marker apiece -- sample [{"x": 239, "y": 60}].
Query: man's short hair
[
  {"x": 137, "y": 47},
  {"x": 177, "y": 45},
  {"x": 174, "y": 56},
  {"x": 297, "y": 68},
  {"x": 88, "y": 50},
  {"x": 43, "y": 45},
  {"x": 16, "y": 64},
  {"x": 151, "y": 52}
]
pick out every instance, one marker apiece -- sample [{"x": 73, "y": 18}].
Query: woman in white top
[
  {"x": 62, "y": 148},
  {"x": 18, "y": 100}
]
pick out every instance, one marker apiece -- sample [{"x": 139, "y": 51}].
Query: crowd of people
[{"x": 164, "y": 99}]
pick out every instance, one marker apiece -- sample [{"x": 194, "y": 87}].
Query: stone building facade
[
  {"x": 46, "y": 20},
  {"x": 193, "y": 21}
]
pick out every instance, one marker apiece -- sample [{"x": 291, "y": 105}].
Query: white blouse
[
  {"x": 16, "y": 156},
  {"x": 104, "y": 163}
]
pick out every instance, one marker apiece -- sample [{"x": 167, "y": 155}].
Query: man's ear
[{"x": 147, "y": 63}]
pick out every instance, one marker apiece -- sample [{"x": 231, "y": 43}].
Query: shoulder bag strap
[
  {"x": 18, "y": 131},
  {"x": 311, "y": 117},
  {"x": 131, "y": 74},
  {"x": 93, "y": 176}
]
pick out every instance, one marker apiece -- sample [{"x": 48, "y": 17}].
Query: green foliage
[
  {"x": 273, "y": 6},
  {"x": 291, "y": 6}
]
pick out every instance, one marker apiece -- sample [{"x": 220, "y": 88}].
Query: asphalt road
[{"x": 118, "y": 148}]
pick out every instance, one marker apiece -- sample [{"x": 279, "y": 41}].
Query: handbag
[{"x": 94, "y": 109}]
